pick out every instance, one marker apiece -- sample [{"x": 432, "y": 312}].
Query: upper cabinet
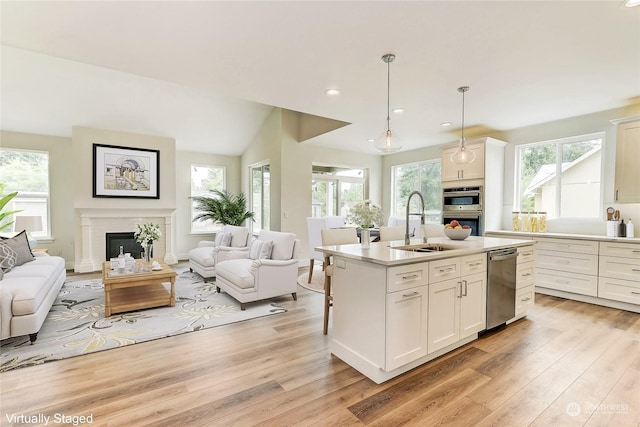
[
  {"x": 454, "y": 172},
  {"x": 627, "y": 189},
  {"x": 489, "y": 152}
]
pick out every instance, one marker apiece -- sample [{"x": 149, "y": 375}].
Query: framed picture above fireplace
[{"x": 125, "y": 172}]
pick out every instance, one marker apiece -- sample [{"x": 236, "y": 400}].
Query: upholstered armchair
[
  {"x": 268, "y": 269},
  {"x": 208, "y": 254}
]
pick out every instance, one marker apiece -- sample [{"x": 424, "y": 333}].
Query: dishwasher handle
[{"x": 503, "y": 254}]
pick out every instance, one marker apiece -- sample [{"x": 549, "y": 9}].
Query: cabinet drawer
[
  {"x": 567, "y": 245},
  {"x": 473, "y": 263},
  {"x": 407, "y": 276},
  {"x": 620, "y": 249},
  {"x": 564, "y": 261},
  {"x": 620, "y": 268},
  {"x": 525, "y": 274},
  {"x": 444, "y": 269},
  {"x": 526, "y": 254},
  {"x": 525, "y": 298},
  {"x": 570, "y": 282},
  {"x": 619, "y": 290}
]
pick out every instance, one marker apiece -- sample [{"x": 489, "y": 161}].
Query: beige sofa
[{"x": 27, "y": 293}]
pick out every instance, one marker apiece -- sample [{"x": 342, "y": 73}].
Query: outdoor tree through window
[{"x": 205, "y": 179}]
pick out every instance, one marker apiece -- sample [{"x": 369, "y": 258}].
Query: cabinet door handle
[
  {"x": 465, "y": 288},
  {"x": 475, "y": 264},
  {"x": 460, "y": 293},
  {"x": 411, "y": 276},
  {"x": 526, "y": 275},
  {"x": 617, "y": 195},
  {"x": 526, "y": 254},
  {"x": 525, "y": 299},
  {"x": 446, "y": 270},
  {"x": 635, "y": 293},
  {"x": 412, "y": 294},
  {"x": 462, "y": 173},
  {"x": 635, "y": 251}
]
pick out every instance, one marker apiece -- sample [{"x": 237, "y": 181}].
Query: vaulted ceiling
[{"x": 209, "y": 72}]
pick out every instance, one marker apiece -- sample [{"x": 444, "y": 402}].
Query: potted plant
[
  {"x": 3, "y": 202},
  {"x": 222, "y": 208}
]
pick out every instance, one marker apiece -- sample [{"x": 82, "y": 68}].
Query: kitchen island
[{"x": 396, "y": 307}]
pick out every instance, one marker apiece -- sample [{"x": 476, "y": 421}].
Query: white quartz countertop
[
  {"x": 385, "y": 254},
  {"x": 529, "y": 235}
]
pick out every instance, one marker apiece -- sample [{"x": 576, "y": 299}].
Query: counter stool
[{"x": 333, "y": 237}]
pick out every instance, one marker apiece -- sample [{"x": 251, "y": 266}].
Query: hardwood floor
[{"x": 568, "y": 363}]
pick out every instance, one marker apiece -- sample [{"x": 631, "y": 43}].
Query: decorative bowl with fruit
[{"x": 455, "y": 231}]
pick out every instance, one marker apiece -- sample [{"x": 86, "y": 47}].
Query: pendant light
[
  {"x": 463, "y": 155},
  {"x": 388, "y": 142}
]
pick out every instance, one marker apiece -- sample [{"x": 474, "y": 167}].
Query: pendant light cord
[{"x": 388, "y": 95}]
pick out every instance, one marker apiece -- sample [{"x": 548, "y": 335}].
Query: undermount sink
[{"x": 424, "y": 247}]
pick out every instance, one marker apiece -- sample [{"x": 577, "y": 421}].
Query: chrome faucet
[{"x": 421, "y": 213}]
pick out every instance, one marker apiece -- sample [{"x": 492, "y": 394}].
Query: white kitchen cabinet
[
  {"x": 406, "y": 326},
  {"x": 567, "y": 265},
  {"x": 453, "y": 172},
  {"x": 619, "y": 272},
  {"x": 627, "y": 178},
  {"x": 457, "y": 300},
  {"x": 525, "y": 281}
]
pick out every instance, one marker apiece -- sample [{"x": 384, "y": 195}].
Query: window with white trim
[
  {"x": 561, "y": 177},
  {"x": 205, "y": 179},
  {"x": 27, "y": 172},
  {"x": 336, "y": 189},
  {"x": 424, "y": 177}
]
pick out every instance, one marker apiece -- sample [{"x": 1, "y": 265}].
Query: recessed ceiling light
[
  {"x": 332, "y": 92},
  {"x": 445, "y": 124},
  {"x": 631, "y": 3},
  {"x": 371, "y": 140},
  {"x": 398, "y": 110}
]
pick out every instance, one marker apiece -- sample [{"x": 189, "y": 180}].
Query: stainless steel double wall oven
[{"x": 464, "y": 204}]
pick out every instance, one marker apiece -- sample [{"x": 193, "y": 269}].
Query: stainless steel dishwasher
[{"x": 501, "y": 286}]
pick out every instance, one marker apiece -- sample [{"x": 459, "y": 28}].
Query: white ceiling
[{"x": 208, "y": 72}]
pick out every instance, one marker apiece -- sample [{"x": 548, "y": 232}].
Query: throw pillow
[
  {"x": 223, "y": 239},
  {"x": 260, "y": 249},
  {"x": 7, "y": 258},
  {"x": 20, "y": 244}
]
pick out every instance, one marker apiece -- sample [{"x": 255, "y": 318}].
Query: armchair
[
  {"x": 208, "y": 254},
  {"x": 268, "y": 269}
]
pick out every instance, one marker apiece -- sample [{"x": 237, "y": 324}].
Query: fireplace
[{"x": 126, "y": 240}]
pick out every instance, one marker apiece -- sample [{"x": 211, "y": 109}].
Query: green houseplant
[
  {"x": 3, "y": 202},
  {"x": 222, "y": 208}
]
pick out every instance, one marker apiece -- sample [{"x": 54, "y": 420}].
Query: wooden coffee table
[{"x": 135, "y": 291}]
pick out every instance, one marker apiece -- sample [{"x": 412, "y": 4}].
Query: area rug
[
  {"x": 317, "y": 280},
  {"x": 76, "y": 324}
]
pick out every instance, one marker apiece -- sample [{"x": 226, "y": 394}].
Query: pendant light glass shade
[
  {"x": 463, "y": 155},
  {"x": 388, "y": 142}
]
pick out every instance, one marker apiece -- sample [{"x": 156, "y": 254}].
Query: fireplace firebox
[{"x": 126, "y": 240}]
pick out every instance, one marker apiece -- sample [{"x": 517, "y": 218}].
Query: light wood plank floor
[{"x": 566, "y": 364}]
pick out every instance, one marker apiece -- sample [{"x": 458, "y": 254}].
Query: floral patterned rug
[{"x": 76, "y": 324}]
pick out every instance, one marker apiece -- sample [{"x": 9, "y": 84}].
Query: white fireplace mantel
[{"x": 95, "y": 223}]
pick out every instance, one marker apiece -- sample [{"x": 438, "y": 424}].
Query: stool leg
[
  {"x": 310, "y": 269},
  {"x": 327, "y": 297}
]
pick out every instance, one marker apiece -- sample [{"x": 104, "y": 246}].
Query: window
[
  {"x": 424, "y": 177},
  {"x": 203, "y": 180},
  {"x": 335, "y": 189},
  {"x": 560, "y": 177},
  {"x": 260, "y": 193},
  {"x": 27, "y": 172}
]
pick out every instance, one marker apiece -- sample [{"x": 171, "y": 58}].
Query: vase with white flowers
[
  {"x": 146, "y": 235},
  {"x": 366, "y": 215}
]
